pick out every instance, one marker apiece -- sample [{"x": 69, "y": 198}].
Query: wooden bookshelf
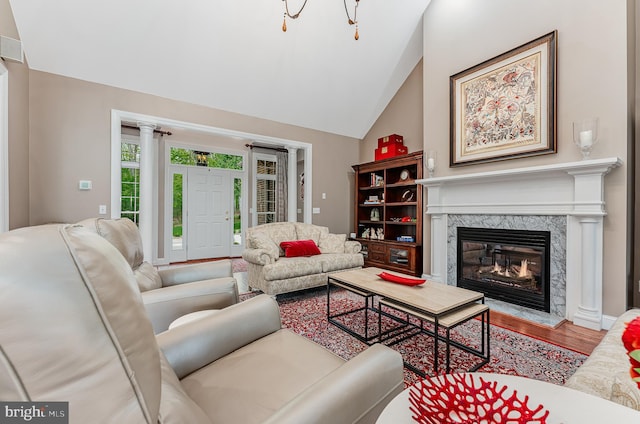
[{"x": 388, "y": 212}]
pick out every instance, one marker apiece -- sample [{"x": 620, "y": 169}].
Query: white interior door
[{"x": 209, "y": 208}]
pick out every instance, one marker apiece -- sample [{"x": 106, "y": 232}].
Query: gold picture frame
[{"x": 505, "y": 107}]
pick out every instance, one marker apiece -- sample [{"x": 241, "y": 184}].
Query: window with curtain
[{"x": 266, "y": 196}]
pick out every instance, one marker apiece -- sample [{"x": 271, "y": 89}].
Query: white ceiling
[{"x": 233, "y": 55}]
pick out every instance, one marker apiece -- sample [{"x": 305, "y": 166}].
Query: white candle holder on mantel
[
  {"x": 431, "y": 162},
  {"x": 585, "y": 135}
]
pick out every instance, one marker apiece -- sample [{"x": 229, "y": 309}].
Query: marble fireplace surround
[{"x": 569, "y": 197}]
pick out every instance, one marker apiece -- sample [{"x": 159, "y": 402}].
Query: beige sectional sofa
[
  {"x": 605, "y": 373},
  {"x": 273, "y": 273}
]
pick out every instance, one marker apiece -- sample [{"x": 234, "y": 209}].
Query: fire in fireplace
[{"x": 508, "y": 265}]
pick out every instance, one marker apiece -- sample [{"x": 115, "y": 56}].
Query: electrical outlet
[
  {"x": 316, "y": 210},
  {"x": 102, "y": 209},
  {"x": 324, "y": 196}
]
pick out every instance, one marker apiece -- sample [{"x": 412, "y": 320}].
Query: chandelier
[{"x": 350, "y": 21}]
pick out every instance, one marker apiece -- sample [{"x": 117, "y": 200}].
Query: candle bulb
[
  {"x": 431, "y": 164},
  {"x": 586, "y": 138},
  {"x": 585, "y": 135}
]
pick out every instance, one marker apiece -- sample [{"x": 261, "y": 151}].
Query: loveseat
[
  {"x": 73, "y": 329},
  {"x": 605, "y": 373},
  {"x": 173, "y": 292},
  {"x": 270, "y": 270}
]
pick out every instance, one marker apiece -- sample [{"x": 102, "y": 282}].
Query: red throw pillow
[
  {"x": 401, "y": 280},
  {"x": 299, "y": 248}
]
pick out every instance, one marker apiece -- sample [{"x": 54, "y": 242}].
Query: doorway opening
[{"x": 171, "y": 183}]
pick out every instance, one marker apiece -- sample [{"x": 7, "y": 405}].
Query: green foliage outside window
[
  {"x": 180, "y": 156},
  {"x": 215, "y": 160}
]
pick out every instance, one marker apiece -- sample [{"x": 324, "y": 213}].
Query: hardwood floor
[{"x": 566, "y": 334}]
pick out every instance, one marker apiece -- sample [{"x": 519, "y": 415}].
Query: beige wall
[
  {"x": 18, "y": 127},
  {"x": 591, "y": 81},
  {"x": 403, "y": 115},
  {"x": 70, "y": 131}
]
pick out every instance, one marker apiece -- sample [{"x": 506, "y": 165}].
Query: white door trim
[{"x": 4, "y": 148}]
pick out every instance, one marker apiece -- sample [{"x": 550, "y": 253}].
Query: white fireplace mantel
[{"x": 574, "y": 189}]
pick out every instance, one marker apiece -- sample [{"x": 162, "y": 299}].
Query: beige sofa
[
  {"x": 271, "y": 272},
  {"x": 73, "y": 328},
  {"x": 605, "y": 373}
]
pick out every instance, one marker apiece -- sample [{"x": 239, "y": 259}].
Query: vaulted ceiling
[{"x": 233, "y": 55}]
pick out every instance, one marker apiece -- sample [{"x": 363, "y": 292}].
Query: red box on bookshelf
[
  {"x": 390, "y": 139},
  {"x": 390, "y": 151}
]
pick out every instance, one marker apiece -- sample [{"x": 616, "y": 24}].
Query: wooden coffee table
[{"x": 440, "y": 306}]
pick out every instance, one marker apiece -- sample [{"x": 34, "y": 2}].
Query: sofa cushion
[
  {"x": 340, "y": 261},
  {"x": 295, "y": 248},
  {"x": 332, "y": 243},
  {"x": 596, "y": 375},
  {"x": 147, "y": 277},
  {"x": 310, "y": 231},
  {"x": 292, "y": 267},
  {"x": 278, "y": 232},
  {"x": 625, "y": 391},
  {"x": 264, "y": 242}
]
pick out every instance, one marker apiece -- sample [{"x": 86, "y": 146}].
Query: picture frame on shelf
[{"x": 505, "y": 107}]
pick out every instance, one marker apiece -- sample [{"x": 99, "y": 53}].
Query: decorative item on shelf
[
  {"x": 380, "y": 234},
  {"x": 365, "y": 233},
  {"x": 431, "y": 162},
  {"x": 202, "y": 158},
  {"x": 404, "y": 175},
  {"x": 390, "y": 146},
  {"x": 376, "y": 180},
  {"x": 631, "y": 342},
  {"x": 406, "y": 219},
  {"x": 375, "y": 214},
  {"x": 463, "y": 398},
  {"x": 408, "y": 196},
  {"x": 372, "y": 200},
  {"x": 350, "y": 20},
  {"x": 406, "y": 239},
  {"x": 390, "y": 139},
  {"x": 585, "y": 135}
]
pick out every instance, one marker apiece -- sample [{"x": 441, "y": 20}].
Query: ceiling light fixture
[{"x": 350, "y": 21}]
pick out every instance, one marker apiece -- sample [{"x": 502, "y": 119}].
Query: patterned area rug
[
  {"x": 238, "y": 265},
  {"x": 511, "y": 353}
]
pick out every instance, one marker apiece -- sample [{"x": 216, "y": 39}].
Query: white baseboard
[{"x": 607, "y": 321}]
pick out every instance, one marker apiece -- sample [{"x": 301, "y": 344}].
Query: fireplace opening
[{"x": 507, "y": 265}]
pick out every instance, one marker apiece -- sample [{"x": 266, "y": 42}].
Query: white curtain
[{"x": 282, "y": 192}]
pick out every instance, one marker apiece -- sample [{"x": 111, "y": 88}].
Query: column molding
[
  {"x": 4, "y": 148},
  {"x": 438, "y": 256},
  {"x": 589, "y": 310},
  {"x": 147, "y": 173},
  {"x": 292, "y": 185}
]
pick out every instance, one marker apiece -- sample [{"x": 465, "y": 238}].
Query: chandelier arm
[
  {"x": 294, "y": 16},
  {"x": 346, "y": 10}
]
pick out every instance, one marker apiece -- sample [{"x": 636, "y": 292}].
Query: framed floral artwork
[{"x": 505, "y": 107}]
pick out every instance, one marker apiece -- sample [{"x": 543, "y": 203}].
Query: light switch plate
[{"x": 84, "y": 185}]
